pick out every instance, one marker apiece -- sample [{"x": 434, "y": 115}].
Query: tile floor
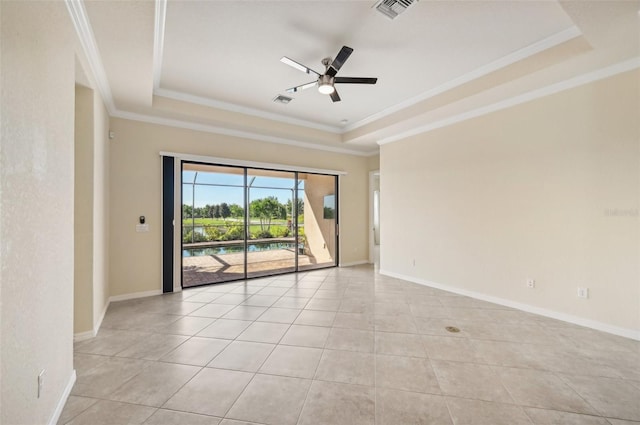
[{"x": 346, "y": 346}]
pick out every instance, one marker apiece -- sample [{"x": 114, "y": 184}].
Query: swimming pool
[{"x": 231, "y": 249}]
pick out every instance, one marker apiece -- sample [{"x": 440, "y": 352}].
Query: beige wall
[
  {"x": 91, "y": 279},
  {"x": 36, "y": 209},
  {"x": 135, "y": 191},
  {"x": 547, "y": 190},
  {"x": 320, "y": 232},
  {"x": 374, "y": 162},
  {"x": 83, "y": 212},
  {"x": 100, "y": 209}
]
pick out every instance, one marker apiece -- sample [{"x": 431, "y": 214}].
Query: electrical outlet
[
  {"x": 583, "y": 292},
  {"x": 531, "y": 283},
  {"x": 41, "y": 383}
]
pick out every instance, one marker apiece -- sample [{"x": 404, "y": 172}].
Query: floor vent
[{"x": 392, "y": 8}]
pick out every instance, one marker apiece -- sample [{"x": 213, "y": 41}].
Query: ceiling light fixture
[{"x": 325, "y": 84}]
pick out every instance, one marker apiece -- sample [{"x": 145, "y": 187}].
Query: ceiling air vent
[
  {"x": 282, "y": 99},
  {"x": 392, "y": 8}
]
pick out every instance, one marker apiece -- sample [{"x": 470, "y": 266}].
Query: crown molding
[
  {"x": 518, "y": 55},
  {"x": 235, "y": 133},
  {"x": 158, "y": 41},
  {"x": 87, "y": 39},
  {"x": 580, "y": 80},
  {"x": 232, "y": 107}
]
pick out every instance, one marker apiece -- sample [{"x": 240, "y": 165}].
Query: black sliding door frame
[{"x": 247, "y": 216}]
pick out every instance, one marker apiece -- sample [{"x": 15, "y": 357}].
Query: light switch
[{"x": 142, "y": 228}]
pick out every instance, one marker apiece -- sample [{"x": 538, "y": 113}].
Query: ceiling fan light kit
[{"x": 325, "y": 82}]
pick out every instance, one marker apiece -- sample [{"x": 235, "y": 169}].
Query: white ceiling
[{"x": 216, "y": 64}]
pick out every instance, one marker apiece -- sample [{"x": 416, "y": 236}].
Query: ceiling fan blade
[
  {"x": 302, "y": 87},
  {"x": 298, "y": 66},
  {"x": 355, "y": 80},
  {"x": 340, "y": 59},
  {"x": 335, "y": 96}
]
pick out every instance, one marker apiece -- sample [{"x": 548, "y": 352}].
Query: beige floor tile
[
  {"x": 351, "y": 340},
  {"x": 470, "y": 380},
  {"x": 230, "y": 299},
  {"x": 109, "y": 342},
  {"x": 279, "y": 315},
  {"x": 105, "y": 378},
  {"x": 271, "y": 400},
  {"x": 225, "y": 329},
  {"x": 356, "y": 303},
  {"x": 438, "y": 327},
  {"x": 402, "y": 323},
  {"x": 298, "y": 292},
  {"x": 315, "y": 318},
  {"x": 242, "y": 355},
  {"x": 74, "y": 406},
  {"x": 535, "y": 388},
  {"x": 400, "y": 407},
  {"x": 291, "y": 302},
  {"x": 554, "y": 417},
  {"x": 107, "y": 412},
  {"x": 196, "y": 351},
  {"x": 406, "y": 373},
  {"x": 155, "y": 384},
  {"x": 297, "y": 362},
  {"x": 347, "y": 366},
  {"x": 334, "y": 403},
  {"x": 449, "y": 348},
  {"x": 273, "y": 291},
  {"x": 154, "y": 347},
  {"x": 399, "y": 344},
  {"x": 187, "y": 326},
  {"x": 83, "y": 363},
  {"x": 610, "y": 397},
  {"x": 171, "y": 417},
  {"x": 264, "y": 332},
  {"x": 203, "y": 297},
  {"x": 477, "y": 412},
  {"x": 258, "y": 300},
  {"x": 621, "y": 422},
  {"x": 354, "y": 321},
  {"x": 323, "y": 304},
  {"x": 212, "y": 310},
  {"x": 245, "y": 312},
  {"x": 234, "y": 422},
  {"x": 210, "y": 392},
  {"x": 306, "y": 336}
]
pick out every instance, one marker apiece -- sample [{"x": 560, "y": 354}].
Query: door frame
[{"x": 372, "y": 179}]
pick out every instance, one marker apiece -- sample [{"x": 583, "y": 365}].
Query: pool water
[{"x": 230, "y": 249}]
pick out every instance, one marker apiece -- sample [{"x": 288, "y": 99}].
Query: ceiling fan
[{"x": 326, "y": 81}]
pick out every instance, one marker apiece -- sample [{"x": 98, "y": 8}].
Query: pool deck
[{"x": 224, "y": 267}]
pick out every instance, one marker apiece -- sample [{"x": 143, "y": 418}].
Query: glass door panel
[
  {"x": 271, "y": 235},
  {"x": 213, "y": 224},
  {"x": 317, "y": 221}
]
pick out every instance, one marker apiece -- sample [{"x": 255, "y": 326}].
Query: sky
[{"x": 213, "y": 195}]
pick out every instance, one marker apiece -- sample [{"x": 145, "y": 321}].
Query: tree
[
  {"x": 225, "y": 211},
  {"x": 267, "y": 209},
  {"x": 236, "y": 211},
  {"x": 187, "y": 211}
]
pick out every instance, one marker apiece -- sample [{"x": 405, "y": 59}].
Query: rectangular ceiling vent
[
  {"x": 282, "y": 99},
  {"x": 392, "y": 8}
]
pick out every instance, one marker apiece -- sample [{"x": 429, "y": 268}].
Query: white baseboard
[
  {"x": 581, "y": 321},
  {"x": 354, "y": 263},
  {"x": 98, "y": 323},
  {"x": 135, "y": 295},
  {"x": 81, "y": 336},
  {"x": 63, "y": 399}
]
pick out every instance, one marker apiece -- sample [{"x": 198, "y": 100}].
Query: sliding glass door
[{"x": 240, "y": 222}]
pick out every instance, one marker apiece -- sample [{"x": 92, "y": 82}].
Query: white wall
[
  {"x": 91, "y": 280},
  {"x": 547, "y": 190},
  {"x": 36, "y": 209}
]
